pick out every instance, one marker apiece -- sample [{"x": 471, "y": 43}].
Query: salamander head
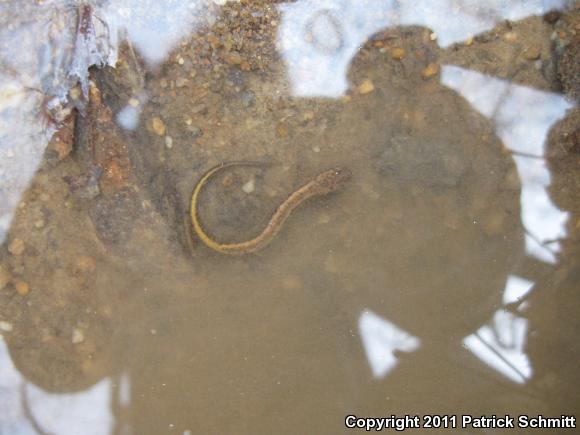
[{"x": 332, "y": 180}]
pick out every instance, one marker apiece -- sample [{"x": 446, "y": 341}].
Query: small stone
[
  {"x": 158, "y": 126},
  {"x": 282, "y": 130},
  {"x": 78, "y": 336},
  {"x": 469, "y": 40},
  {"x": 22, "y": 287},
  {"x": 5, "y": 277},
  {"x": 180, "y": 60},
  {"x": 228, "y": 180},
  {"x": 168, "y": 142},
  {"x": 16, "y": 247},
  {"x": 134, "y": 102},
  {"x": 511, "y": 37},
  {"x": 195, "y": 131},
  {"x": 181, "y": 82},
  {"x": 331, "y": 264},
  {"x": 86, "y": 264},
  {"x": 398, "y": 53},
  {"x": 366, "y": 87},
  {"x": 250, "y": 186},
  {"x": 324, "y": 219},
  {"x": 199, "y": 108},
  {"x": 248, "y": 98},
  {"x": 5, "y": 326},
  {"x": 291, "y": 282},
  {"x": 233, "y": 58},
  {"x": 430, "y": 70},
  {"x": 316, "y": 148},
  {"x": 533, "y": 52},
  {"x": 433, "y": 36},
  {"x": 39, "y": 224}
]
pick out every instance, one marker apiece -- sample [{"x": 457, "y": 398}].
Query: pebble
[
  {"x": 398, "y": 53},
  {"x": 22, "y": 287},
  {"x": 181, "y": 82},
  {"x": 366, "y": 87},
  {"x": 248, "y": 98},
  {"x": 16, "y": 247},
  {"x": 134, "y": 102},
  {"x": 532, "y": 53},
  {"x": 169, "y": 142},
  {"x": 5, "y": 277},
  {"x": 331, "y": 264},
  {"x": 250, "y": 186},
  {"x": 430, "y": 70},
  {"x": 158, "y": 126},
  {"x": 78, "y": 336},
  {"x": 5, "y": 326},
  {"x": 233, "y": 58},
  {"x": 39, "y": 223},
  {"x": 511, "y": 36},
  {"x": 316, "y": 149},
  {"x": 291, "y": 282},
  {"x": 86, "y": 264},
  {"x": 324, "y": 219},
  {"x": 469, "y": 40},
  {"x": 194, "y": 130},
  {"x": 282, "y": 130}
]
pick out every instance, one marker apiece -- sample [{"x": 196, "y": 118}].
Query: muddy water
[{"x": 442, "y": 280}]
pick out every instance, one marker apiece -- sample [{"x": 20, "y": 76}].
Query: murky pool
[{"x": 435, "y": 271}]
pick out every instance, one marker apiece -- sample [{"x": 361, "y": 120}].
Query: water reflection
[
  {"x": 502, "y": 343},
  {"x": 522, "y": 117},
  {"x": 381, "y": 340},
  {"x": 27, "y": 409},
  {"x": 319, "y": 39}
]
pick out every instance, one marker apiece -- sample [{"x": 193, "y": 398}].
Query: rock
[
  {"x": 366, "y": 87},
  {"x": 86, "y": 264},
  {"x": 250, "y": 186},
  {"x": 552, "y": 17},
  {"x": 5, "y": 277},
  {"x": 78, "y": 336},
  {"x": 22, "y": 287},
  {"x": 533, "y": 52},
  {"x": 233, "y": 58},
  {"x": 16, "y": 247},
  {"x": 5, "y": 326},
  {"x": 248, "y": 98},
  {"x": 194, "y": 131},
  {"x": 398, "y": 53},
  {"x": 158, "y": 126},
  {"x": 291, "y": 282},
  {"x": 431, "y": 70},
  {"x": 282, "y": 130}
]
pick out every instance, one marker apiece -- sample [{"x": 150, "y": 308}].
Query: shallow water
[{"x": 442, "y": 280}]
